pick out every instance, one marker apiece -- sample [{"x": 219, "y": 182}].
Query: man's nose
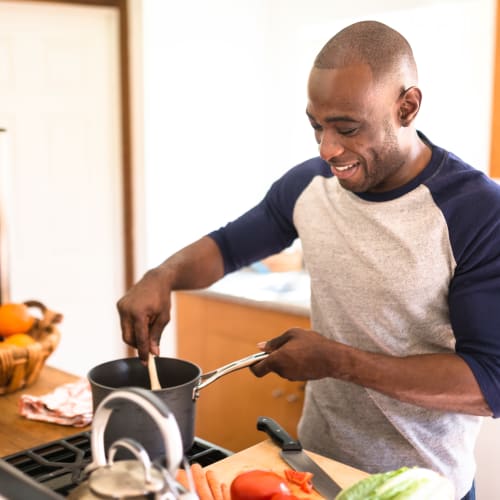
[{"x": 329, "y": 147}]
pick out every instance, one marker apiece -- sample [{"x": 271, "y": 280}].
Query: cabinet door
[{"x": 213, "y": 332}]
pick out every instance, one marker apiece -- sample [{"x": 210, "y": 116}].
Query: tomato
[
  {"x": 284, "y": 496},
  {"x": 303, "y": 479},
  {"x": 258, "y": 485}
]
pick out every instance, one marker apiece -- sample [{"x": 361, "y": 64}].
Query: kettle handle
[
  {"x": 154, "y": 407},
  {"x": 137, "y": 450}
]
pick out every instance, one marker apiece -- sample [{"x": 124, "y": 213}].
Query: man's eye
[
  {"x": 316, "y": 126},
  {"x": 348, "y": 131}
]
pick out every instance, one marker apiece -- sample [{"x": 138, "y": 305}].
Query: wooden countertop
[
  {"x": 18, "y": 433},
  {"x": 265, "y": 456}
]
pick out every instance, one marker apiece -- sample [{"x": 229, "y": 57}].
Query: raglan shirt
[{"x": 411, "y": 271}]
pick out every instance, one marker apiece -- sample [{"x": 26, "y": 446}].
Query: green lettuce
[{"x": 415, "y": 483}]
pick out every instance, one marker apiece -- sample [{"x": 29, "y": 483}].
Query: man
[{"x": 402, "y": 243}]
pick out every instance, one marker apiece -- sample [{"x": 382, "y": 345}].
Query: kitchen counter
[
  {"x": 287, "y": 292},
  {"x": 18, "y": 433}
]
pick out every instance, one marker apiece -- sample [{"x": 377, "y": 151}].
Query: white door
[{"x": 59, "y": 102}]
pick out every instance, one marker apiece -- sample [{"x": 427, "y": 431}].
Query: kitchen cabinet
[{"x": 213, "y": 330}]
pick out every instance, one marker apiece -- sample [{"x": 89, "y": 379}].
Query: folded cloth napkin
[{"x": 68, "y": 404}]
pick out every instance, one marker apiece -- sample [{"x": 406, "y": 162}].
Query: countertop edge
[{"x": 279, "y": 306}]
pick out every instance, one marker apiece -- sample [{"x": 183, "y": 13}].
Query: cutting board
[{"x": 265, "y": 456}]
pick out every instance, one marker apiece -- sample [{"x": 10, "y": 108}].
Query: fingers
[
  {"x": 277, "y": 342},
  {"x": 266, "y": 365},
  {"x": 261, "y": 368},
  {"x": 291, "y": 355},
  {"x": 273, "y": 363},
  {"x": 141, "y": 336},
  {"x": 127, "y": 331},
  {"x": 142, "y": 330},
  {"x": 155, "y": 331},
  {"x": 144, "y": 311}
]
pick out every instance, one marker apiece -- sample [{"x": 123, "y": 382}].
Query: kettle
[{"x": 136, "y": 478}]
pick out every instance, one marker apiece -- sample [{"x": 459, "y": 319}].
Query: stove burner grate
[{"x": 59, "y": 465}]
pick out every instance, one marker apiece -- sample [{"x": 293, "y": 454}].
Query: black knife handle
[{"x": 278, "y": 434}]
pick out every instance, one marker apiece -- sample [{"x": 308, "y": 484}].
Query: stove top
[{"x": 57, "y": 467}]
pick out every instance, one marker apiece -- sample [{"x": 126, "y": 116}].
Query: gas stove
[{"x": 52, "y": 470}]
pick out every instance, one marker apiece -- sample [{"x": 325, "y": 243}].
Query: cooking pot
[
  {"x": 135, "y": 478},
  {"x": 181, "y": 383}
]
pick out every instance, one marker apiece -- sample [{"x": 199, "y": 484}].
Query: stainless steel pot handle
[{"x": 209, "y": 377}]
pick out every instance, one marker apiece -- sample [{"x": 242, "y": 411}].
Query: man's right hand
[
  {"x": 145, "y": 309},
  {"x": 144, "y": 312}
]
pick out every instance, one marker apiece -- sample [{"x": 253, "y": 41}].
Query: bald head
[{"x": 383, "y": 49}]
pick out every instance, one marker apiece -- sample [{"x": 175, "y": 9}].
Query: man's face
[{"x": 356, "y": 127}]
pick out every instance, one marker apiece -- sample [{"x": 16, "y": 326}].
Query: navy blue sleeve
[
  {"x": 267, "y": 228},
  {"x": 471, "y": 205}
]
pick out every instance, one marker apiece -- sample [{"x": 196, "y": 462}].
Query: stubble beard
[{"x": 383, "y": 164}]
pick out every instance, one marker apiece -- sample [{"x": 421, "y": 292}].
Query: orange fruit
[
  {"x": 19, "y": 339},
  {"x": 15, "y": 318}
]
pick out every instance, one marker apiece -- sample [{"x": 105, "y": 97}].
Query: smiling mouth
[{"x": 343, "y": 169}]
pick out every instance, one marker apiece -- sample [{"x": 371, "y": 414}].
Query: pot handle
[
  {"x": 154, "y": 407},
  {"x": 208, "y": 378}
]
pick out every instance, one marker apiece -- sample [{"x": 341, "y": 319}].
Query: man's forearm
[{"x": 436, "y": 381}]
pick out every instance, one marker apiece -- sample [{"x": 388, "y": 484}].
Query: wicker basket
[{"x": 21, "y": 366}]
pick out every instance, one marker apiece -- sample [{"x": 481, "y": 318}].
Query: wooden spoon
[{"x": 153, "y": 373}]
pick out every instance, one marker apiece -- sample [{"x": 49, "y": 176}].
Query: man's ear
[{"x": 409, "y": 104}]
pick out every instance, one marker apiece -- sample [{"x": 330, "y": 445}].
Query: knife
[{"x": 293, "y": 454}]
